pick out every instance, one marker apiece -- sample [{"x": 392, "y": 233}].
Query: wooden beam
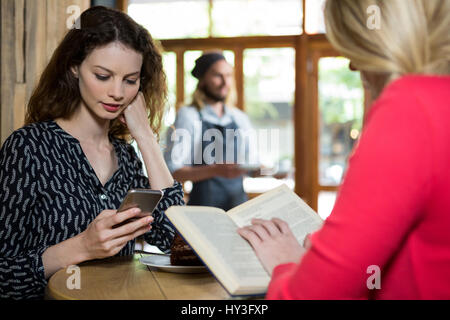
[
  {"x": 239, "y": 76},
  {"x": 8, "y": 65},
  {"x": 303, "y": 16},
  {"x": 19, "y": 86},
  {"x": 122, "y": 5},
  {"x": 313, "y": 101},
  {"x": 19, "y": 105},
  {"x": 36, "y": 40},
  {"x": 316, "y": 41},
  {"x": 210, "y": 19},
  {"x": 52, "y": 21},
  {"x": 179, "y": 79},
  {"x": 19, "y": 13},
  {"x": 301, "y": 119},
  {"x": 230, "y": 43},
  {"x": 328, "y": 188}
]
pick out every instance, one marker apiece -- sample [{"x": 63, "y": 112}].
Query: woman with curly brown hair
[{"x": 67, "y": 170}]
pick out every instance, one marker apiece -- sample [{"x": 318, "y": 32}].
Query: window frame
[{"x": 309, "y": 48}]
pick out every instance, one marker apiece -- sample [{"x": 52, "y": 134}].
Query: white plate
[{"x": 162, "y": 262}]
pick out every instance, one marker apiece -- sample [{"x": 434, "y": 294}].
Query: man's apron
[{"x": 220, "y": 192}]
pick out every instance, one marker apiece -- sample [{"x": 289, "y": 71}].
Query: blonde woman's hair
[{"x": 410, "y": 37}]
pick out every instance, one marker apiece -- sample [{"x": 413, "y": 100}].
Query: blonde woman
[{"x": 388, "y": 235}]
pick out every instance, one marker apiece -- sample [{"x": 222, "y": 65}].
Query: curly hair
[{"x": 57, "y": 94}]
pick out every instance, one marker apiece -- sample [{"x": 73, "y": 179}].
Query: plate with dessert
[{"x": 181, "y": 260}]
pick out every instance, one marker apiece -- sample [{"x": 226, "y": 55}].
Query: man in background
[{"x": 204, "y": 145}]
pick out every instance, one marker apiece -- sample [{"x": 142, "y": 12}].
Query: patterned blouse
[{"x": 49, "y": 193}]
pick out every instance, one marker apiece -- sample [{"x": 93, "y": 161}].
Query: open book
[{"x": 212, "y": 234}]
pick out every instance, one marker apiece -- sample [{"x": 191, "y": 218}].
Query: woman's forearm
[
  {"x": 158, "y": 173},
  {"x": 63, "y": 254}
]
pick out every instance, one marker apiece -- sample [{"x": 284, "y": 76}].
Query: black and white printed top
[{"x": 50, "y": 193}]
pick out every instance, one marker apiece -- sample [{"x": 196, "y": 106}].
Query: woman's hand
[
  {"x": 273, "y": 242},
  {"x": 102, "y": 239},
  {"x": 135, "y": 117}
]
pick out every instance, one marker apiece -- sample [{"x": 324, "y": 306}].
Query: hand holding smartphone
[{"x": 144, "y": 199}]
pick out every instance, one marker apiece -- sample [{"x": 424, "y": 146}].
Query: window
[
  {"x": 286, "y": 80},
  {"x": 170, "y": 68},
  {"x": 341, "y": 101},
  {"x": 315, "y": 22},
  {"x": 262, "y": 17},
  {"x": 269, "y": 86},
  {"x": 178, "y": 19},
  {"x": 341, "y": 113},
  {"x": 172, "y": 19},
  {"x": 326, "y": 200}
]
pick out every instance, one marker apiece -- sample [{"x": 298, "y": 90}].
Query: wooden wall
[{"x": 30, "y": 31}]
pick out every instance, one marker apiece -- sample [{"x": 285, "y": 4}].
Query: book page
[
  {"x": 219, "y": 245},
  {"x": 282, "y": 203}
]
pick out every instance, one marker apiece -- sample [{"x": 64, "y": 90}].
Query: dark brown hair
[{"x": 57, "y": 94}]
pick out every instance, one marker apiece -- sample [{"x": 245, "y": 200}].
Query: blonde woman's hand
[
  {"x": 273, "y": 242},
  {"x": 102, "y": 238}
]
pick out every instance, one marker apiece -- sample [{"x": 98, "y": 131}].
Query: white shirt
[{"x": 184, "y": 138}]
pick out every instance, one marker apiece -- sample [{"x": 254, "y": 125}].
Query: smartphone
[{"x": 144, "y": 199}]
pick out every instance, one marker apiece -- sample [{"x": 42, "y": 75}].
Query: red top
[{"x": 393, "y": 208}]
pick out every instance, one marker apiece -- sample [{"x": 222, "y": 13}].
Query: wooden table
[{"x": 125, "y": 278}]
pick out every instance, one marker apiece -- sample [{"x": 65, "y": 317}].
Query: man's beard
[{"x": 213, "y": 96}]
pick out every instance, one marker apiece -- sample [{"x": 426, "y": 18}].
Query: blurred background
[{"x": 287, "y": 75}]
